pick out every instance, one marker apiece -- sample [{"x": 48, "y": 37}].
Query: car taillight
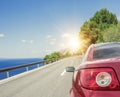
[{"x": 99, "y": 79}]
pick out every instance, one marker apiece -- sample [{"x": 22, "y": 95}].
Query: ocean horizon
[{"x": 10, "y": 62}]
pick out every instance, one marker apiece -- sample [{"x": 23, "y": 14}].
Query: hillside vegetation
[
  {"x": 102, "y": 27},
  {"x": 56, "y": 55}
]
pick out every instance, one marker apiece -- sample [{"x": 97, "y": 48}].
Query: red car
[{"x": 99, "y": 73}]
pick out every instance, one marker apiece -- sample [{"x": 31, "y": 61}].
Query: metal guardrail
[{"x": 7, "y": 70}]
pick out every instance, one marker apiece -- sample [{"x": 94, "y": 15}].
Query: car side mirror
[{"x": 70, "y": 69}]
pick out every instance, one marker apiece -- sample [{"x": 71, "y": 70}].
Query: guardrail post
[
  {"x": 8, "y": 75},
  {"x": 27, "y": 69},
  {"x": 38, "y": 65}
]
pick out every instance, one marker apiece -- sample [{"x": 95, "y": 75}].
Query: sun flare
[
  {"x": 71, "y": 41},
  {"x": 74, "y": 44}
]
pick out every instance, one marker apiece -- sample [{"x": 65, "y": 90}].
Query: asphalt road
[{"x": 51, "y": 81}]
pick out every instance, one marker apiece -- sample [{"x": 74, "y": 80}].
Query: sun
[
  {"x": 71, "y": 41},
  {"x": 74, "y": 44}
]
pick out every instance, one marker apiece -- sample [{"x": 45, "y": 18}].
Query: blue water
[{"x": 5, "y": 63}]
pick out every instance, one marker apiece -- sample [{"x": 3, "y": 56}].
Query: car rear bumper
[
  {"x": 93, "y": 93},
  {"x": 74, "y": 93}
]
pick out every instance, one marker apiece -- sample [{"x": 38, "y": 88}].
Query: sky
[{"x": 34, "y": 28}]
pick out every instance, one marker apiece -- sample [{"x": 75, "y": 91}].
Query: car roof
[{"x": 106, "y": 45}]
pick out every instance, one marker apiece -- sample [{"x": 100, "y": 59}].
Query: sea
[{"x": 6, "y": 63}]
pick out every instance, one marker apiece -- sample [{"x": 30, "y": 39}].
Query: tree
[
  {"x": 93, "y": 29},
  {"x": 101, "y": 20},
  {"x": 47, "y": 57},
  {"x": 67, "y": 54},
  {"x": 112, "y": 34},
  {"x": 53, "y": 56},
  {"x": 104, "y": 18}
]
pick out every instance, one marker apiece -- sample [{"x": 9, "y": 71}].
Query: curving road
[{"x": 50, "y": 81}]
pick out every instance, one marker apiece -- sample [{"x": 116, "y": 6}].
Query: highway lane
[{"x": 51, "y": 81}]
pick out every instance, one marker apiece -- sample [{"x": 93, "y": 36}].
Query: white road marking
[{"x": 63, "y": 73}]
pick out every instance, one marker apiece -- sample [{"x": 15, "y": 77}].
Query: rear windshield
[{"x": 106, "y": 52}]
